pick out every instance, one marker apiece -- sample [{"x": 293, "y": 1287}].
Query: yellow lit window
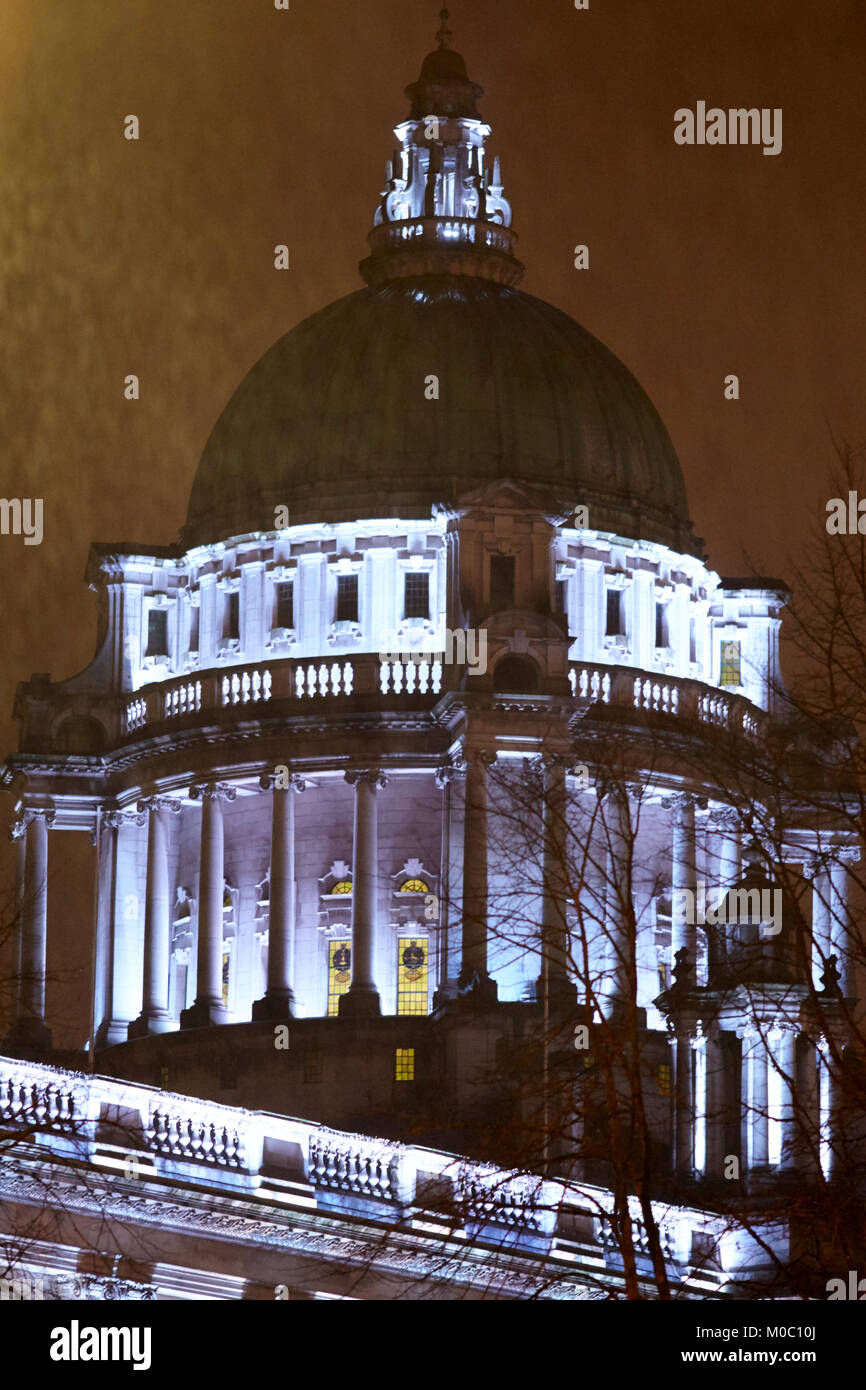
[
  {"x": 415, "y": 885},
  {"x": 412, "y": 975},
  {"x": 730, "y": 664},
  {"x": 344, "y": 886},
  {"x": 404, "y": 1064},
  {"x": 663, "y": 977},
  {"x": 664, "y": 1079},
  {"x": 339, "y": 973},
  {"x": 227, "y": 964}
]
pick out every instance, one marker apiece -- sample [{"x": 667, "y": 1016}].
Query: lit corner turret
[{"x": 443, "y": 209}]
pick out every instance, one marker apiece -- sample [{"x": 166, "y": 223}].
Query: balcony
[{"x": 304, "y": 682}]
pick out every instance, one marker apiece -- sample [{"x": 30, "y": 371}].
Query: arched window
[
  {"x": 516, "y": 675},
  {"x": 343, "y": 886},
  {"x": 414, "y": 885}
]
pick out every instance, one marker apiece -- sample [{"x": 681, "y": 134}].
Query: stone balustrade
[
  {"x": 365, "y": 674},
  {"x": 143, "y": 1134}
]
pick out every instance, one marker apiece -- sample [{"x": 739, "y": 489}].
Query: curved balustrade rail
[
  {"x": 364, "y": 674},
  {"x": 202, "y": 1144},
  {"x": 682, "y": 699}
]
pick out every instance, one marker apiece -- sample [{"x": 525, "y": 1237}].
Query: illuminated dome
[
  {"x": 339, "y": 420},
  {"x": 333, "y": 421}
]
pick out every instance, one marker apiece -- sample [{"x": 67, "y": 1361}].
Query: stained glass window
[
  {"x": 412, "y": 975},
  {"x": 344, "y": 886},
  {"x": 415, "y": 885},
  {"x": 339, "y": 973},
  {"x": 226, "y": 976},
  {"x": 665, "y": 1080},
  {"x": 730, "y": 664},
  {"x": 404, "y": 1064}
]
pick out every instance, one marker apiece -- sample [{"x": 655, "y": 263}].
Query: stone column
[
  {"x": 116, "y": 934},
  {"x": 18, "y": 833},
  {"x": 822, "y": 939},
  {"x": 362, "y": 997},
  {"x": 29, "y": 1031},
  {"x": 620, "y": 982},
  {"x": 155, "y": 1016},
  {"x": 208, "y": 1007},
  {"x": 554, "y": 914},
  {"x": 840, "y": 921},
  {"x": 783, "y": 1059},
  {"x": 279, "y": 995},
  {"x": 755, "y": 1118},
  {"x": 830, "y": 1105},
  {"x": 684, "y": 877},
  {"x": 446, "y": 974},
  {"x": 474, "y": 979},
  {"x": 684, "y": 1114},
  {"x": 715, "y": 1104}
]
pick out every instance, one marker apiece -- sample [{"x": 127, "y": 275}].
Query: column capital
[
  {"x": 372, "y": 775},
  {"x": 282, "y": 780},
  {"x": 159, "y": 803},
  {"x": 213, "y": 791},
  {"x": 447, "y": 771},
  {"x": 26, "y": 816},
  {"x": 724, "y": 818},
  {"x": 115, "y": 820},
  {"x": 683, "y": 801}
]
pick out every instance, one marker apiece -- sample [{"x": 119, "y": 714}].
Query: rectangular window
[
  {"x": 693, "y": 640},
  {"x": 416, "y": 596},
  {"x": 339, "y": 973},
  {"x": 412, "y": 959},
  {"x": 663, "y": 977},
  {"x": 193, "y": 629},
  {"x": 284, "y": 608},
  {"x": 157, "y": 632},
  {"x": 501, "y": 582},
  {"x": 404, "y": 1064},
  {"x": 664, "y": 1079},
  {"x": 347, "y": 598},
  {"x": 562, "y": 595},
  {"x": 226, "y": 976},
  {"x": 613, "y": 626},
  {"x": 662, "y": 625},
  {"x": 729, "y": 673},
  {"x": 232, "y": 615}
]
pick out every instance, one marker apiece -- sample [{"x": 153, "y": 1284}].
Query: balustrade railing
[
  {"x": 682, "y": 699},
  {"x": 304, "y": 681}
]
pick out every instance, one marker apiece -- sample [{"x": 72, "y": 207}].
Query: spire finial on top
[{"x": 444, "y": 35}]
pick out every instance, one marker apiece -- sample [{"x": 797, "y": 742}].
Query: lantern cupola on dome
[{"x": 443, "y": 209}]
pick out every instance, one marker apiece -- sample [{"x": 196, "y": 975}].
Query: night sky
[{"x": 261, "y": 126}]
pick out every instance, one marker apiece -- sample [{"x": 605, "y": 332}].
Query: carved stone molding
[
  {"x": 371, "y": 775},
  {"x": 160, "y": 803},
  {"x": 213, "y": 791}
]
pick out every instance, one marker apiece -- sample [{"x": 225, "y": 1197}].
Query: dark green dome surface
[{"x": 333, "y": 423}]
